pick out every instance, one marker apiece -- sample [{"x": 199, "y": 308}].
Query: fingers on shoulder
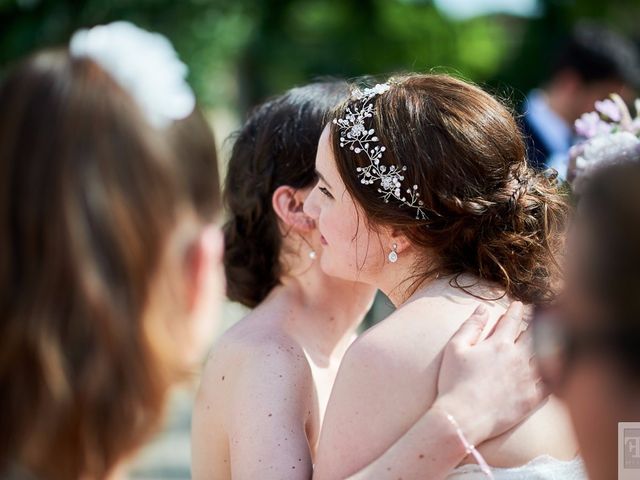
[{"x": 471, "y": 330}]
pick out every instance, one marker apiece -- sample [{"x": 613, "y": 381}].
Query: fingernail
[{"x": 482, "y": 309}]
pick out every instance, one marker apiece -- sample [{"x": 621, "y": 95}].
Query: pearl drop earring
[
  {"x": 313, "y": 254},
  {"x": 393, "y": 255}
]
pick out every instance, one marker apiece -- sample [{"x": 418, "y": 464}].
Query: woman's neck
[
  {"x": 328, "y": 310},
  {"x": 399, "y": 281},
  {"x": 401, "y": 284}
]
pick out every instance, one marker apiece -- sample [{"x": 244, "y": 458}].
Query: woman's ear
[
  {"x": 399, "y": 240},
  {"x": 288, "y": 203}
]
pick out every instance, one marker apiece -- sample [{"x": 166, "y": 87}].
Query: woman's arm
[
  {"x": 472, "y": 374},
  {"x": 430, "y": 449}
]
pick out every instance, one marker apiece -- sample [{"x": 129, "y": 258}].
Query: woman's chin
[{"x": 330, "y": 269}]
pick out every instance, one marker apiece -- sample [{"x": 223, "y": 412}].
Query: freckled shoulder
[
  {"x": 244, "y": 361},
  {"x": 256, "y": 392}
]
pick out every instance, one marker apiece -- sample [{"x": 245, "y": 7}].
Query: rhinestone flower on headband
[{"x": 360, "y": 139}]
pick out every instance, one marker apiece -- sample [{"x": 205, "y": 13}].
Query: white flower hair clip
[
  {"x": 145, "y": 64},
  {"x": 360, "y": 139}
]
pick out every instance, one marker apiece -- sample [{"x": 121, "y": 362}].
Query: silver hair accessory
[
  {"x": 360, "y": 139},
  {"x": 145, "y": 64}
]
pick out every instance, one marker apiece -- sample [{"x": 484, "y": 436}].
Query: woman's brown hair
[
  {"x": 192, "y": 141},
  {"x": 276, "y": 146},
  {"x": 488, "y": 213},
  {"x": 88, "y": 199}
]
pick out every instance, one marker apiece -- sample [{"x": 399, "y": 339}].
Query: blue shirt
[{"x": 552, "y": 130}]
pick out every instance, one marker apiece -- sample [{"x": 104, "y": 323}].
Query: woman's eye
[{"x": 325, "y": 192}]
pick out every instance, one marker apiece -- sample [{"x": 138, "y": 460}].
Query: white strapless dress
[{"x": 544, "y": 467}]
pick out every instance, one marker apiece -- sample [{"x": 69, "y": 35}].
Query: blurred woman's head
[
  {"x": 589, "y": 344},
  {"x": 194, "y": 151},
  {"x": 435, "y": 168},
  {"x": 271, "y": 170},
  {"x": 192, "y": 140},
  {"x": 104, "y": 269}
]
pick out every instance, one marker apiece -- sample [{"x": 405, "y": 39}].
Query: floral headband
[{"x": 360, "y": 139}]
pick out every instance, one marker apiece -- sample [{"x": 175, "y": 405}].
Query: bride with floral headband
[{"x": 424, "y": 192}]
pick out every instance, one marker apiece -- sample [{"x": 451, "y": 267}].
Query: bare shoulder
[
  {"x": 396, "y": 363},
  {"x": 252, "y": 356},
  {"x": 256, "y": 391},
  {"x": 400, "y": 354},
  {"x": 387, "y": 380},
  {"x": 256, "y": 403},
  {"x": 416, "y": 330}
]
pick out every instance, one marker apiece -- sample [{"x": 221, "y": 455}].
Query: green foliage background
[{"x": 241, "y": 51}]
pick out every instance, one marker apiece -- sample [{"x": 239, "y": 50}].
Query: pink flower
[
  {"x": 590, "y": 124},
  {"x": 609, "y": 109}
]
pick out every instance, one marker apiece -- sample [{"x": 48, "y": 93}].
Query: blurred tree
[
  {"x": 241, "y": 51},
  {"x": 529, "y": 65},
  {"x": 296, "y": 40},
  {"x": 208, "y": 34}
]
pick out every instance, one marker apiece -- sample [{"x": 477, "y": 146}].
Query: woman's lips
[{"x": 323, "y": 240}]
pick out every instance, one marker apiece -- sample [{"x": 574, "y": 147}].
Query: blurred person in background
[
  {"x": 593, "y": 63},
  {"x": 111, "y": 269},
  {"x": 588, "y": 344}
]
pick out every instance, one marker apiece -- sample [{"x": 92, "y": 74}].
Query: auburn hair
[
  {"x": 195, "y": 149},
  {"x": 488, "y": 213}
]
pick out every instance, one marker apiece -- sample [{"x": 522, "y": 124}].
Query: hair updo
[
  {"x": 488, "y": 213},
  {"x": 276, "y": 146}
]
